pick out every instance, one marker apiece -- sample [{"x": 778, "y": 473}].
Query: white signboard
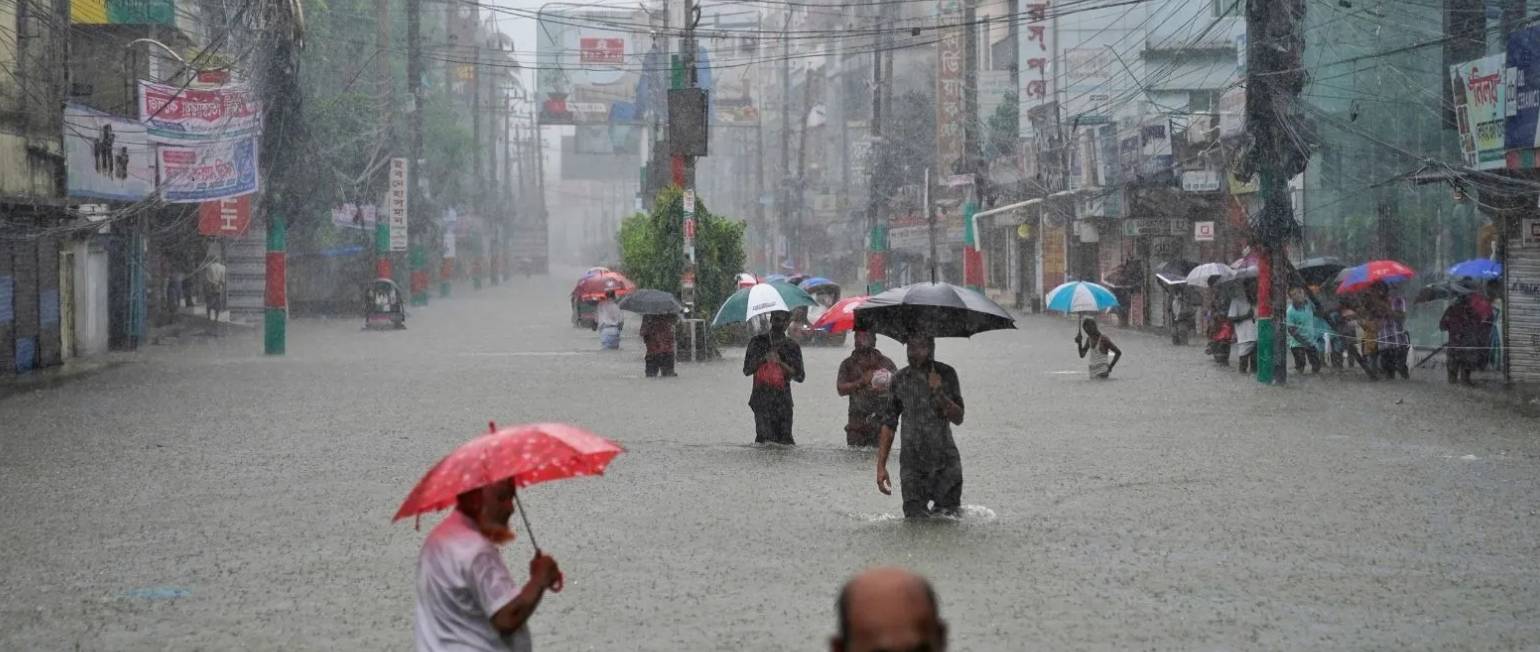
[
  {"x": 395, "y": 204},
  {"x": 1200, "y": 181},
  {"x": 1203, "y": 231},
  {"x": 106, "y": 157}
]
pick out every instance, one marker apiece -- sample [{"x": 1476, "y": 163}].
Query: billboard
[
  {"x": 1523, "y": 99},
  {"x": 106, "y": 157},
  {"x": 1035, "y": 60},
  {"x": 174, "y": 113},
  {"x": 202, "y": 172},
  {"x": 1480, "y": 110},
  {"x": 225, "y": 218},
  {"x": 589, "y": 66}
]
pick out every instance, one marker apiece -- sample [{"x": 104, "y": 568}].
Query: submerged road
[{"x": 206, "y": 497}]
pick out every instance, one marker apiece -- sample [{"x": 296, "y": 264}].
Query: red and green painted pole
[
  {"x": 877, "y": 260},
  {"x": 445, "y": 273},
  {"x": 419, "y": 283},
  {"x": 275, "y": 300},
  {"x": 1266, "y": 356},
  {"x": 973, "y": 259},
  {"x": 382, "y": 248}
]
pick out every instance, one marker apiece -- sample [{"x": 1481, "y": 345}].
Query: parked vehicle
[{"x": 383, "y": 307}]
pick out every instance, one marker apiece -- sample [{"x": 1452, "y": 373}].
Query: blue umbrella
[
  {"x": 1477, "y": 268},
  {"x": 1079, "y": 296},
  {"x": 775, "y": 278},
  {"x": 815, "y": 282}
]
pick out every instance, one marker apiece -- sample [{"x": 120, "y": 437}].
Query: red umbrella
[
  {"x": 840, "y": 317},
  {"x": 593, "y": 286},
  {"x": 529, "y": 454}
]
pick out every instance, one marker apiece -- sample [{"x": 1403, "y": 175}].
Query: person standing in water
[
  {"x": 1097, "y": 346},
  {"x": 859, "y": 379},
  {"x": 928, "y": 399},
  {"x": 774, "y": 361}
]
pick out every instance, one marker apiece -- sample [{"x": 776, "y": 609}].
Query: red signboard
[
  {"x": 602, "y": 50},
  {"x": 225, "y": 218}
]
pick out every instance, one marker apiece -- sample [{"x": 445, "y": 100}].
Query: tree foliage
[{"x": 652, "y": 250}]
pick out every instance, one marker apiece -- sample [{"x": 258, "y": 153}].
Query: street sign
[
  {"x": 688, "y": 280},
  {"x": 689, "y": 202},
  {"x": 1200, "y": 181},
  {"x": 395, "y": 204},
  {"x": 1203, "y": 231},
  {"x": 1531, "y": 232},
  {"x": 689, "y": 229}
]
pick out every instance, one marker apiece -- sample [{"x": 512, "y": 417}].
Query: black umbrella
[
  {"x": 651, "y": 302},
  {"x": 1174, "y": 272},
  {"x": 1440, "y": 291},
  {"x": 931, "y": 309},
  {"x": 1320, "y": 270}
]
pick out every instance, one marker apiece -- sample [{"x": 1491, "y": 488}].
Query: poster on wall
[
  {"x": 106, "y": 157},
  {"x": 207, "y": 171}
]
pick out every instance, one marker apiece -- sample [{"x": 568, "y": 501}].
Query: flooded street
[{"x": 205, "y": 497}]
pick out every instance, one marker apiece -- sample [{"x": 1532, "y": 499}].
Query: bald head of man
[{"x": 889, "y": 610}]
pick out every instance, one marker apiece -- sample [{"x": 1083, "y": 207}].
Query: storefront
[{"x": 1522, "y": 303}]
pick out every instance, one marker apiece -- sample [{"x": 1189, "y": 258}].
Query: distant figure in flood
[
  {"x": 609, "y": 320},
  {"x": 774, "y": 361},
  {"x": 1095, "y": 346},
  {"x": 658, "y": 335},
  {"x": 888, "y": 609},
  {"x": 865, "y": 377}
]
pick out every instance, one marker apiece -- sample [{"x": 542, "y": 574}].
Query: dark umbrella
[
  {"x": 1320, "y": 270},
  {"x": 1440, "y": 291},
  {"x": 651, "y": 302},
  {"x": 1174, "y": 272},
  {"x": 931, "y": 309}
]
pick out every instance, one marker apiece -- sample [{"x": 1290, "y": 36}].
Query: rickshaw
[{"x": 383, "y": 308}]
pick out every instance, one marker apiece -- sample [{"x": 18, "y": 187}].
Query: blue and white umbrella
[
  {"x": 1080, "y": 296},
  {"x": 1478, "y": 268}
]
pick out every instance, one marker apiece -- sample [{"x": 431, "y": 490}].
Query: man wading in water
[
  {"x": 864, "y": 377},
  {"x": 927, "y": 397}
]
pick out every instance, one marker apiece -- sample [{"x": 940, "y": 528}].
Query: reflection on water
[{"x": 965, "y": 514}]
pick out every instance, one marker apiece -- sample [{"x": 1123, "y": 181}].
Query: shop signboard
[
  {"x": 203, "y": 172},
  {"x": 1480, "y": 110},
  {"x": 1521, "y": 102}
]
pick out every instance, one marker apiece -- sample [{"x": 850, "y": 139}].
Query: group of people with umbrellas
[
  {"x": 1337, "y": 313},
  {"x": 921, "y": 402}
]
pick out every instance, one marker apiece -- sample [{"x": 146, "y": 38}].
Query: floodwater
[{"x": 206, "y": 497}]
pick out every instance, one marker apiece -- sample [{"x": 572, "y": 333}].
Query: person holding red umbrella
[{"x": 466, "y": 598}]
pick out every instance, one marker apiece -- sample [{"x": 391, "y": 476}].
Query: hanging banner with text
[
  {"x": 177, "y": 114},
  {"x": 208, "y": 171},
  {"x": 1480, "y": 107}
]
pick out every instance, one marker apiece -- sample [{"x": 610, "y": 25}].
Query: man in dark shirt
[
  {"x": 928, "y": 399},
  {"x": 867, "y": 398},
  {"x": 774, "y": 361}
]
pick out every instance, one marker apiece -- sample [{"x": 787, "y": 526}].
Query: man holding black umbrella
[{"x": 926, "y": 396}]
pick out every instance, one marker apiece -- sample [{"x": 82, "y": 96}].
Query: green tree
[
  {"x": 652, "y": 250},
  {"x": 1003, "y": 129}
]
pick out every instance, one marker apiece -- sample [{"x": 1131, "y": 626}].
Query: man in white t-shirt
[{"x": 466, "y": 600}]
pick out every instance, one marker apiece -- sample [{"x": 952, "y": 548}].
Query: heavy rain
[{"x": 769, "y": 324}]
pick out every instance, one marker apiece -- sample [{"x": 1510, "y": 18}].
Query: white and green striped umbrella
[{"x": 759, "y": 299}]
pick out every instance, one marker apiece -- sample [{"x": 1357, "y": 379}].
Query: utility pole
[
  {"x": 973, "y": 259},
  {"x": 1275, "y": 77},
  {"x": 478, "y": 165},
  {"x": 784, "y": 185},
  {"x": 414, "y": 165},
  {"x": 382, "y": 71},
  {"x": 876, "y": 224}
]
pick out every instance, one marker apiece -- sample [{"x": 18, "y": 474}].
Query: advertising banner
[
  {"x": 1035, "y": 59},
  {"x": 105, "y": 157},
  {"x": 950, "y": 116},
  {"x": 589, "y": 64},
  {"x": 1480, "y": 109},
  {"x": 395, "y": 204},
  {"x": 1522, "y": 103},
  {"x": 172, "y": 113},
  {"x": 208, "y": 171},
  {"x": 225, "y": 218}
]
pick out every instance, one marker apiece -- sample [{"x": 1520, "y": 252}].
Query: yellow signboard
[{"x": 123, "y": 12}]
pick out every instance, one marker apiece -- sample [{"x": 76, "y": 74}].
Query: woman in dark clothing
[
  {"x": 774, "y": 361},
  {"x": 1467, "y": 341}
]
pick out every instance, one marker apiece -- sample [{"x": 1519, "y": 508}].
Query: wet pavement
[{"x": 206, "y": 497}]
